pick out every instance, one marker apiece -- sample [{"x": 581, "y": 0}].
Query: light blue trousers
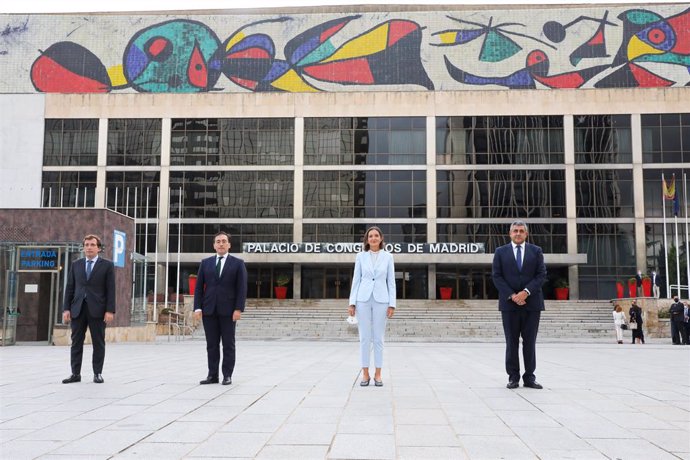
[{"x": 371, "y": 319}]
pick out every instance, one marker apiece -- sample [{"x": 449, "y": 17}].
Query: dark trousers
[
  {"x": 97, "y": 329},
  {"x": 678, "y": 328},
  {"x": 525, "y": 324},
  {"x": 638, "y": 334},
  {"x": 217, "y": 329}
]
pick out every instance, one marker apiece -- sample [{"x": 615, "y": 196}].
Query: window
[
  {"x": 365, "y": 140},
  {"x": 550, "y": 237},
  {"x": 406, "y": 232},
  {"x": 653, "y": 197},
  {"x": 70, "y": 142},
  {"x": 199, "y": 237},
  {"x": 126, "y": 192},
  {"x": 666, "y": 138},
  {"x": 601, "y": 139},
  {"x": 500, "y": 193},
  {"x": 499, "y": 140},
  {"x": 360, "y": 194},
  {"x": 134, "y": 142},
  {"x": 231, "y": 141},
  {"x": 69, "y": 189},
  {"x": 604, "y": 193},
  {"x": 610, "y": 250},
  {"x": 228, "y": 194}
]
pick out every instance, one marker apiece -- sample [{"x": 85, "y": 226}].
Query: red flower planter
[
  {"x": 281, "y": 292},
  {"x": 446, "y": 293},
  {"x": 192, "y": 284},
  {"x": 632, "y": 289},
  {"x": 619, "y": 290},
  {"x": 561, "y": 293}
]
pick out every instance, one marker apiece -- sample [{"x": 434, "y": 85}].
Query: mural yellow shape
[
  {"x": 637, "y": 48},
  {"x": 370, "y": 43},
  {"x": 292, "y": 82},
  {"x": 239, "y": 36},
  {"x": 448, "y": 37},
  {"x": 117, "y": 75}
]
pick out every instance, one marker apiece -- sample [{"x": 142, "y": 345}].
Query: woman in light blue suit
[{"x": 372, "y": 297}]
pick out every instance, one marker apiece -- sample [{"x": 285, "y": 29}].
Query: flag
[{"x": 669, "y": 191}]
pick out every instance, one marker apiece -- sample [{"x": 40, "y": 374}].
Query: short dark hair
[
  {"x": 221, "y": 233},
  {"x": 99, "y": 243}
]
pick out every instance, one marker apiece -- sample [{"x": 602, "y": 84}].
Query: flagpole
[
  {"x": 675, "y": 219},
  {"x": 663, "y": 208},
  {"x": 179, "y": 240},
  {"x": 687, "y": 239},
  {"x": 155, "y": 256}
]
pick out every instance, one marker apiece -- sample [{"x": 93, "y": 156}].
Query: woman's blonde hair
[{"x": 365, "y": 240}]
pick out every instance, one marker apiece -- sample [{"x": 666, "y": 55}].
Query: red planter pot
[
  {"x": 192, "y": 285},
  {"x": 632, "y": 289},
  {"x": 561, "y": 293},
  {"x": 446, "y": 293},
  {"x": 619, "y": 290},
  {"x": 281, "y": 292}
]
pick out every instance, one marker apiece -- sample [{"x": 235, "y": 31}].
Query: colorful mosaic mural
[{"x": 416, "y": 51}]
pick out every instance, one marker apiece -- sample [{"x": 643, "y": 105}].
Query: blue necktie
[
  {"x": 518, "y": 258},
  {"x": 89, "y": 267}
]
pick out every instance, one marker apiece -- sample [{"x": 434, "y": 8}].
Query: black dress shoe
[
  {"x": 209, "y": 379},
  {"x": 227, "y": 380},
  {"x": 512, "y": 384},
  {"x": 97, "y": 378},
  {"x": 534, "y": 385},
  {"x": 72, "y": 379}
]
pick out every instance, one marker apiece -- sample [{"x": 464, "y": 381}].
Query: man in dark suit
[
  {"x": 518, "y": 272},
  {"x": 89, "y": 302},
  {"x": 638, "y": 281},
  {"x": 219, "y": 299},
  {"x": 679, "y": 335}
]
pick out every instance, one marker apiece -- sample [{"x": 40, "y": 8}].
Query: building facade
[{"x": 302, "y": 127}]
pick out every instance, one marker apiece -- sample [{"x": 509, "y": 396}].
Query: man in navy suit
[
  {"x": 89, "y": 302},
  {"x": 518, "y": 273},
  {"x": 219, "y": 299}
]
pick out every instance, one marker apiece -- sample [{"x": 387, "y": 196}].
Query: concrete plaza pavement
[{"x": 302, "y": 400}]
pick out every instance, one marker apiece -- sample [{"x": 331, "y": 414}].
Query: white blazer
[{"x": 369, "y": 279}]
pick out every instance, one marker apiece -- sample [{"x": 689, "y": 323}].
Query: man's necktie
[
  {"x": 218, "y": 266},
  {"x": 89, "y": 267},
  {"x": 518, "y": 258}
]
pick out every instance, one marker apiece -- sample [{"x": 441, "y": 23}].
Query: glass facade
[
  {"x": 70, "y": 142},
  {"x": 248, "y": 177},
  {"x": 134, "y": 142},
  {"x": 365, "y": 141},
  {"x": 602, "y": 139}
]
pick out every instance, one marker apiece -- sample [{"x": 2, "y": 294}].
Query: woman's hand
[
  {"x": 351, "y": 310},
  {"x": 390, "y": 312}
]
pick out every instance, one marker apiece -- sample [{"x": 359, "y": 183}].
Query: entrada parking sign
[{"x": 119, "y": 246}]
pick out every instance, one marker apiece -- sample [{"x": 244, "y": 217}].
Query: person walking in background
[
  {"x": 636, "y": 321},
  {"x": 655, "y": 284},
  {"x": 638, "y": 280},
  {"x": 619, "y": 322},
  {"x": 373, "y": 299},
  {"x": 518, "y": 272},
  {"x": 89, "y": 302},
  {"x": 219, "y": 300}
]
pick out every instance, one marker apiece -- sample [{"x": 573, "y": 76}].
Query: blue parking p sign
[{"x": 119, "y": 246}]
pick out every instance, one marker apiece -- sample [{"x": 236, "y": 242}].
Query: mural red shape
[
  {"x": 351, "y": 71},
  {"x": 399, "y": 29},
  {"x": 196, "y": 71},
  {"x": 647, "y": 79},
  {"x": 251, "y": 53}
]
